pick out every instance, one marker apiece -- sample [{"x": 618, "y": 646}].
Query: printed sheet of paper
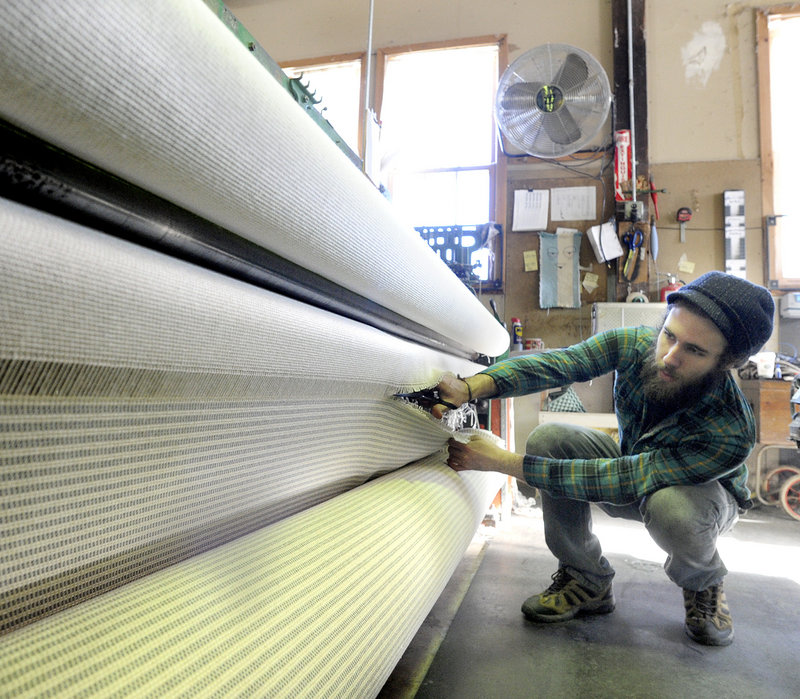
[
  {"x": 573, "y": 204},
  {"x": 530, "y": 209},
  {"x": 590, "y": 281}
]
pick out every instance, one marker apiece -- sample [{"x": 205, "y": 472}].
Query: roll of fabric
[
  {"x": 163, "y": 95},
  {"x": 206, "y": 486},
  {"x": 151, "y": 410},
  {"x": 320, "y": 604}
]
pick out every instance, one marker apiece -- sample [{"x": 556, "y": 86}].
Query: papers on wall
[
  {"x": 685, "y": 265},
  {"x": 590, "y": 281},
  {"x": 573, "y": 204},
  {"x": 530, "y": 209},
  {"x": 534, "y": 208}
]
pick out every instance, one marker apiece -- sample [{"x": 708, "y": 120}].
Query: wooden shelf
[{"x": 769, "y": 400}]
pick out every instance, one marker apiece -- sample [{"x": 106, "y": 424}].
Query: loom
[{"x": 208, "y": 487}]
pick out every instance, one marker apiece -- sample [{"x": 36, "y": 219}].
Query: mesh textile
[
  {"x": 195, "y": 499},
  {"x": 163, "y": 434},
  {"x": 163, "y": 95}
]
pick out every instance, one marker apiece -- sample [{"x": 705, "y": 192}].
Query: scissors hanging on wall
[{"x": 633, "y": 241}]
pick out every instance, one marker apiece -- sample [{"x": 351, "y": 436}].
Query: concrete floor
[{"x": 476, "y": 643}]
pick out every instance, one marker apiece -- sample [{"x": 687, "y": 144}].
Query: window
[
  {"x": 437, "y": 133},
  {"x": 337, "y": 83},
  {"x": 779, "y": 33},
  {"x": 437, "y": 153}
]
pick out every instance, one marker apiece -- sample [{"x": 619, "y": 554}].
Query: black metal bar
[
  {"x": 37, "y": 174},
  {"x": 621, "y": 76}
]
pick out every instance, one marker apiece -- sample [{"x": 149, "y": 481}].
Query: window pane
[
  {"x": 472, "y": 197},
  {"x": 785, "y": 105},
  {"x": 437, "y": 108},
  {"x": 339, "y": 87},
  {"x": 425, "y": 199},
  {"x": 442, "y": 198}
]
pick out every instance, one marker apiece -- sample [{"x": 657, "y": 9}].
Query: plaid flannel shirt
[{"x": 707, "y": 440}]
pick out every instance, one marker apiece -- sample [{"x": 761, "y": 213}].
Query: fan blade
[
  {"x": 521, "y": 96},
  {"x": 561, "y": 127},
  {"x": 572, "y": 73},
  {"x": 524, "y": 127}
]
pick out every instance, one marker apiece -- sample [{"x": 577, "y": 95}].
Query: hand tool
[
  {"x": 684, "y": 215},
  {"x": 633, "y": 240},
  {"x": 654, "y": 196},
  {"x": 426, "y": 398},
  {"x": 653, "y": 239}
]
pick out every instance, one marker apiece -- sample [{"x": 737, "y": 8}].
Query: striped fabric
[
  {"x": 157, "y": 410},
  {"x": 165, "y": 96},
  {"x": 208, "y": 489},
  {"x": 320, "y": 604}
]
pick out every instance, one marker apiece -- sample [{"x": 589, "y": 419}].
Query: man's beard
[{"x": 668, "y": 396}]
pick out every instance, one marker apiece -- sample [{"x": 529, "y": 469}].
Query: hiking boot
[
  {"x": 565, "y": 599},
  {"x": 708, "y": 620}
]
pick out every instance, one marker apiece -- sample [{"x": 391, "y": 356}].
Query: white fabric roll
[
  {"x": 163, "y": 95},
  {"x": 321, "y": 604},
  {"x": 150, "y": 409}
]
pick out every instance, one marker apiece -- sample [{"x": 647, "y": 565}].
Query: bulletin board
[{"x": 557, "y": 326}]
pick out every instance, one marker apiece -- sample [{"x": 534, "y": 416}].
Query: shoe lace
[
  {"x": 705, "y": 602},
  {"x": 561, "y": 578}
]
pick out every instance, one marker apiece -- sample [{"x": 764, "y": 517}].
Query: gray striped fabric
[
  {"x": 195, "y": 498},
  {"x": 155, "y": 416}
]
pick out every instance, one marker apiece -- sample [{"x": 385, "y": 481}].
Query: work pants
[{"x": 684, "y": 520}]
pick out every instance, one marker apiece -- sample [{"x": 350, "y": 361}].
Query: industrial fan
[{"x": 552, "y": 100}]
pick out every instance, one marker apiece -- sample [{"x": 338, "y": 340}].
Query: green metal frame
[{"x": 293, "y": 86}]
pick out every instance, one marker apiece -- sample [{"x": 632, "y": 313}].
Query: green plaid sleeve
[
  {"x": 586, "y": 360},
  {"x": 707, "y": 441},
  {"x": 629, "y": 478}
]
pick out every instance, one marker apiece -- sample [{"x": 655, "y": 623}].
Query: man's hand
[
  {"x": 482, "y": 455},
  {"x": 452, "y": 389},
  {"x": 458, "y": 391}
]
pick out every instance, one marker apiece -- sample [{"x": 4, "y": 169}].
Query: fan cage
[{"x": 522, "y": 115}]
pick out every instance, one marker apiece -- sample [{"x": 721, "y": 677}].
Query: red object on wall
[
  {"x": 622, "y": 163},
  {"x": 673, "y": 285}
]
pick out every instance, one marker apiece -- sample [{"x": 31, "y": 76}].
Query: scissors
[
  {"x": 426, "y": 398},
  {"x": 633, "y": 239}
]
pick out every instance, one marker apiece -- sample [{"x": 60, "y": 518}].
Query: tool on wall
[
  {"x": 654, "y": 196},
  {"x": 633, "y": 240},
  {"x": 653, "y": 239},
  {"x": 684, "y": 215}
]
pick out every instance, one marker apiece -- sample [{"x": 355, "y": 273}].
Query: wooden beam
[{"x": 622, "y": 102}]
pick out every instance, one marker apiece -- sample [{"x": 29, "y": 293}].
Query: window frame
[
  {"x": 362, "y": 92},
  {"x": 498, "y": 169},
  {"x": 773, "y": 273}
]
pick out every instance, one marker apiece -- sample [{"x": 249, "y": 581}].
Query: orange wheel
[
  {"x": 773, "y": 482},
  {"x": 790, "y": 497}
]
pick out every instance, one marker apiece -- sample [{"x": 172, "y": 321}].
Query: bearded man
[{"x": 685, "y": 430}]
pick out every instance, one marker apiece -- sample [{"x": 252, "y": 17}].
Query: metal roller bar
[{"x": 39, "y": 175}]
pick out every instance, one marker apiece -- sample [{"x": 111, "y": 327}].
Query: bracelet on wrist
[{"x": 469, "y": 390}]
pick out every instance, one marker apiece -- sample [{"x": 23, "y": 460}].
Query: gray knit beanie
[{"x": 743, "y": 311}]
